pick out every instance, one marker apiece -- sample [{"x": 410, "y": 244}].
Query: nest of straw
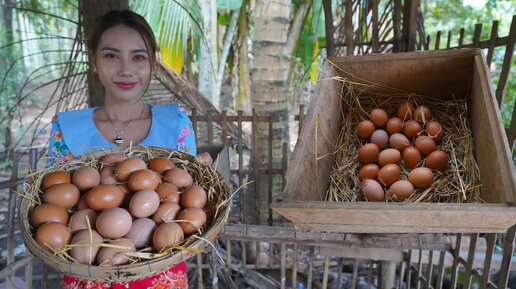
[
  {"x": 459, "y": 183},
  {"x": 144, "y": 263}
]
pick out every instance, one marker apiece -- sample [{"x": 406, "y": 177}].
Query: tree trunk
[
  {"x": 243, "y": 97},
  {"x": 89, "y": 11},
  {"x": 268, "y": 87},
  {"x": 207, "y": 58}
]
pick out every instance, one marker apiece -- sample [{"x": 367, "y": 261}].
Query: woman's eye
[
  {"x": 111, "y": 56},
  {"x": 139, "y": 57}
]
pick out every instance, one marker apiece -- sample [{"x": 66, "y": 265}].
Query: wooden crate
[{"x": 462, "y": 73}]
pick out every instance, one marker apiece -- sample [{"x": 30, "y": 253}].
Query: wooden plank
[
  {"x": 348, "y": 20},
  {"x": 255, "y": 166},
  {"x": 224, "y": 124},
  {"x": 448, "y": 42},
  {"x": 11, "y": 218},
  {"x": 508, "y": 252},
  {"x": 270, "y": 198},
  {"x": 374, "y": 23},
  {"x": 477, "y": 34},
  {"x": 456, "y": 259},
  {"x": 471, "y": 258},
  {"x": 507, "y": 60},
  {"x": 310, "y": 267},
  {"x": 365, "y": 217},
  {"x": 354, "y": 276},
  {"x": 291, "y": 235},
  {"x": 461, "y": 37},
  {"x": 283, "y": 265},
  {"x": 200, "y": 282},
  {"x": 497, "y": 175},
  {"x": 377, "y": 254},
  {"x": 486, "y": 269},
  {"x": 396, "y": 23},
  {"x": 440, "y": 270},
  {"x": 429, "y": 270},
  {"x": 326, "y": 270},
  {"x": 295, "y": 252},
  {"x": 437, "y": 40},
  {"x": 492, "y": 42},
  {"x": 241, "y": 164}
]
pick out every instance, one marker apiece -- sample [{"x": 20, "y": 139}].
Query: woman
[{"x": 123, "y": 52}]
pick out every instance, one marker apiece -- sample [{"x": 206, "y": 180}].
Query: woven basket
[{"x": 217, "y": 210}]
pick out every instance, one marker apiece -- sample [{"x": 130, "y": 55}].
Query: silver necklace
[{"x": 119, "y": 140}]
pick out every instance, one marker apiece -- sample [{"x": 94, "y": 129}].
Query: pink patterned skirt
[{"x": 174, "y": 278}]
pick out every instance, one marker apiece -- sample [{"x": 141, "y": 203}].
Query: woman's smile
[{"x": 126, "y": 85}]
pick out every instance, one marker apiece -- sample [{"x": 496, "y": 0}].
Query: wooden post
[
  {"x": 410, "y": 24},
  {"x": 348, "y": 20},
  {"x": 374, "y": 22},
  {"x": 396, "y": 23}
]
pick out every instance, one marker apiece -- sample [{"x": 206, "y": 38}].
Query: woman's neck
[{"x": 123, "y": 112}]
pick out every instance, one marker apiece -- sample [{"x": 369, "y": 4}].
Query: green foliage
[{"x": 452, "y": 15}]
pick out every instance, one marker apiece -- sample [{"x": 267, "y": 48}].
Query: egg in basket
[{"x": 122, "y": 215}]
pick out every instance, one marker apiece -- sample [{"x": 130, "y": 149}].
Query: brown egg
[
  {"x": 399, "y": 141},
  {"x": 193, "y": 219},
  {"x": 405, "y": 111},
  {"x": 144, "y": 203},
  {"x": 111, "y": 160},
  {"x": 389, "y": 156},
  {"x": 143, "y": 180},
  {"x": 178, "y": 177},
  {"x": 53, "y": 236},
  {"x": 160, "y": 165},
  {"x": 380, "y": 138},
  {"x": 141, "y": 232},
  {"x": 166, "y": 212},
  {"x": 389, "y": 174},
  {"x": 368, "y": 153},
  {"x": 422, "y": 114},
  {"x": 365, "y": 129},
  {"x": 412, "y": 128},
  {"x": 168, "y": 193},
  {"x": 126, "y": 167},
  {"x": 111, "y": 256},
  {"x": 114, "y": 223},
  {"x": 104, "y": 197},
  {"x": 194, "y": 196},
  {"x": 54, "y": 178},
  {"x": 86, "y": 178},
  {"x": 421, "y": 177},
  {"x": 63, "y": 195},
  {"x": 411, "y": 157},
  {"x": 82, "y": 202},
  {"x": 437, "y": 160},
  {"x": 379, "y": 117},
  {"x": 369, "y": 171},
  {"x": 425, "y": 145},
  {"x": 89, "y": 242},
  {"x": 394, "y": 125},
  {"x": 372, "y": 191},
  {"x": 78, "y": 220},
  {"x": 434, "y": 130},
  {"x": 167, "y": 235},
  {"x": 48, "y": 213},
  {"x": 401, "y": 190},
  {"x": 107, "y": 176}
]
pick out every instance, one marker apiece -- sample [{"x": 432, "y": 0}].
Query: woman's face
[{"x": 123, "y": 63}]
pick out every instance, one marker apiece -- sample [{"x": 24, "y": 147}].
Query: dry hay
[{"x": 459, "y": 183}]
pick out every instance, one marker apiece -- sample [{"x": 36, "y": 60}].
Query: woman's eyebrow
[{"x": 107, "y": 48}]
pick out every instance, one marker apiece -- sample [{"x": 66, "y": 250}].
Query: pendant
[{"x": 119, "y": 140}]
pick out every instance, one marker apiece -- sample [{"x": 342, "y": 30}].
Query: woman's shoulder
[
  {"x": 170, "y": 109},
  {"x": 74, "y": 114}
]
